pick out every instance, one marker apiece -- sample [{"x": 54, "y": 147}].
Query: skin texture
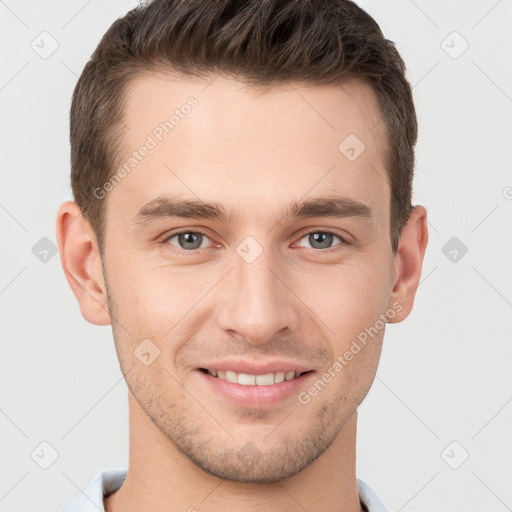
[{"x": 253, "y": 152}]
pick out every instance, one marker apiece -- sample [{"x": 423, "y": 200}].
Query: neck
[{"x": 160, "y": 477}]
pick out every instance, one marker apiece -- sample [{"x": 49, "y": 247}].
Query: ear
[
  {"x": 81, "y": 262},
  {"x": 408, "y": 263}
]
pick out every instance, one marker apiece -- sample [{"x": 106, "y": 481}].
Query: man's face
[{"x": 260, "y": 291}]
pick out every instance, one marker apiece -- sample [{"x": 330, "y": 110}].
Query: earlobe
[
  {"x": 81, "y": 263},
  {"x": 408, "y": 262}
]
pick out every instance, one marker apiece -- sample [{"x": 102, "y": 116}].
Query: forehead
[
  {"x": 226, "y": 104},
  {"x": 221, "y": 139}
]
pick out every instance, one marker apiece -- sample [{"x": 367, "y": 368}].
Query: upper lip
[{"x": 256, "y": 368}]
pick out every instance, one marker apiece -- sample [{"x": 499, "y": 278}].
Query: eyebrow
[{"x": 170, "y": 207}]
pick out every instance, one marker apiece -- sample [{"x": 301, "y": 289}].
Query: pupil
[
  {"x": 187, "y": 239},
  {"x": 324, "y": 238},
  {"x": 190, "y": 239}
]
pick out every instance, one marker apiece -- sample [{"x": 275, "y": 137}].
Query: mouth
[{"x": 245, "y": 379}]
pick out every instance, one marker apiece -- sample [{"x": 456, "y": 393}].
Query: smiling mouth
[{"x": 246, "y": 379}]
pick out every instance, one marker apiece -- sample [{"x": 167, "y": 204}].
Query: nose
[{"x": 256, "y": 301}]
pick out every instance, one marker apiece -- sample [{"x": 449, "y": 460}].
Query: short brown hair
[{"x": 261, "y": 42}]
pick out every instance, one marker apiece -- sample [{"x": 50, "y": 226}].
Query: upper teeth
[{"x": 250, "y": 380}]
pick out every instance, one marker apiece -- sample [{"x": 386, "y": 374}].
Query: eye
[
  {"x": 322, "y": 239},
  {"x": 188, "y": 240}
]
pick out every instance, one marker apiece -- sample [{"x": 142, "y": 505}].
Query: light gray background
[{"x": 444, "y": 375}]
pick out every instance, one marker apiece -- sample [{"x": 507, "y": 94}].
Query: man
[{"x": 242, "y": 178}]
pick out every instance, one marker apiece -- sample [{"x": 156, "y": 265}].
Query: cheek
[
  {"x": 347, "y": 298},
  {"x": 348, "y": 308},
  {"x": 156, "y": 302}
]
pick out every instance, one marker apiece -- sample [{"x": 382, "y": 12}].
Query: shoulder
[
  {"x": 101, "y": 485},
  {"x": 369, "y": 499}
]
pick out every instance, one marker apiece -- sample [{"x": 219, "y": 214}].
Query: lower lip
[{"x": 256, "y": 396}]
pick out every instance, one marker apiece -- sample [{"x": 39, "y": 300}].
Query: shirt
[{"x": 107, "y": 482}]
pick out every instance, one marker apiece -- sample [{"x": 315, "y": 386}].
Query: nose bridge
[{"x": 255, "y": 302}]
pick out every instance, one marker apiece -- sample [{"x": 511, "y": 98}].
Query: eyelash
[{"x": 192, "y": 252}]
